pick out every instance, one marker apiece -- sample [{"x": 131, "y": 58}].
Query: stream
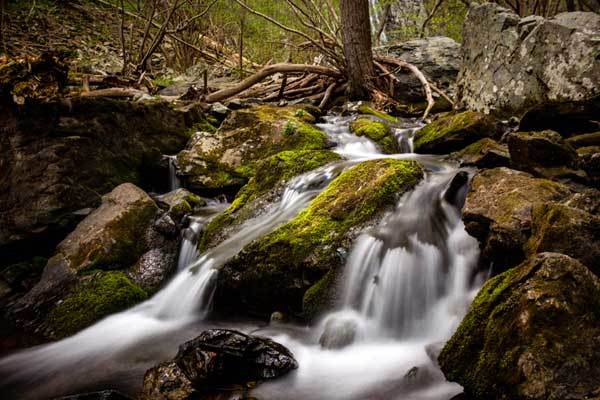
[{"x": 407, "y": 284}]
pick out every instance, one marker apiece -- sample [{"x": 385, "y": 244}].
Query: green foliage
[{"x": 289, "y": 128}]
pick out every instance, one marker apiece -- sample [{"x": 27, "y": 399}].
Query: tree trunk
[{"x": 356, "y": 36}]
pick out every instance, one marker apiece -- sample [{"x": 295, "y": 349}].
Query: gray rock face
[
  {"x": 511, "y": 64},
  {"x": 439, "y": 58}
]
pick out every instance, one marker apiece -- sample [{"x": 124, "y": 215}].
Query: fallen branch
[
  {"x": 268, "y": 71},
  {"x": 327, "y": 95}
]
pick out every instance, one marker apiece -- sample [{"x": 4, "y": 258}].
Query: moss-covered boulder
[
  {"x": 226, "y": 158},
  {"x": 377, "y": 131},
  {"x": 531, "y": 333},
  {"x": 95, "y": 297},
  {"x": 454, "y": 131},
  {"x": 274, "y": 272},
  {"x": 368, "y": 109},
  {"x": 180, "y": 202},
  {"x": 265, "y": 187},
  {"x": 567, "y": 230},
  {"x": 498, "y": 209},
  {"x": 485, "y": 153}
]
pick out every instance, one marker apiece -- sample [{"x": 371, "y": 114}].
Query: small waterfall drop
[{"x": 174, "y": 181}]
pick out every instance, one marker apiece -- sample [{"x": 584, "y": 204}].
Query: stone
[
  {"x": 497, "y": 212},
  {"x": 338, "y": 333},
  {"x": 102, "y": 395},
  {"x": 531, "y": 333},
  {"x": 567, "y": 230},
  {"x": 167, "y": 382},
  {"x": 511, "y": 64},
  {"x": 180, "y": 202},
  {"x": 585, "y": 140},
  {"x": 454, "y": 131},
  {"x": 292, "y": 268},
  {"x": 567, "y": 118},
  {"x": 378, "y": 132},
  {"x": 485, "y": 153}
]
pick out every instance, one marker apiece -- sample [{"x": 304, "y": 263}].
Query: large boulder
[
  {"x": 511, "y": 64},
  {"x": 531, "y": 333},
  {"x": 438, "y": 57},
  {"x": 215, "y": 358},
  {"x": 454, "y": 131},
  {"x": 293, "y": 268},
  {"x": 57, "y": 158},
  {"x": 498, "y": 211},
  {"x": 225, "y": 159},
  {"x": 87, "y": 278}
]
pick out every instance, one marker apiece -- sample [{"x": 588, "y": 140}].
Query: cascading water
[
  {"x": 174, "y": 181},
  {"x": 406, "y": 286},
  {"x": 376, "y": 19}
]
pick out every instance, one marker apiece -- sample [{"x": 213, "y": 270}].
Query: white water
[
  {"x": 174, "y": 181},
  {"x": 406, "y": 287}
]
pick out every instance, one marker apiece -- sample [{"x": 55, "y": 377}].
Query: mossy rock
[
  {"x": 274, "y": 272},
  {"x": 368, "y": 109},
  {"x": 97, "y": 296},
  {"x": 378, "y": 132},
  {"x": 531, "y": 333},
  {"x": 270, "y": 174},
  {"x": 585, "y": 140},
  {"x": 227, "y": 157},
  {"x": 454, "y": 131},
  {"x": 485, "y": 153}
]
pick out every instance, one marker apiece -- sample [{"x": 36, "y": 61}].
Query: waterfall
[
  {"x": 376, "y": 19},
  {"x": 174, "y": 181}
]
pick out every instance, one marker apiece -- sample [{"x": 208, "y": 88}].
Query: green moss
[
  {"x": 203, "y": 126},
  {"x": 366, "y": 109},
  {"x": 98, "y": 296},
  {"x": 319, "y": 296},
  {"x": 454, "y": 131},
  {"x": 378, "y": 132}
]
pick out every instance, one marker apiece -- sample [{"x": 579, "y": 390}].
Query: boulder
[
  {"x": 275, "y": 271},
  {"x": 511, "y": 64},
  {"x": 180, "y": 202},
  {"x": 567, "y": 230},
  {"x": 498, "y": 208},
  {"x": 215, "y": 358},
  {"x": 567, "y": 118},
  {"x": 438, "y": 57},
  {"x": 485, "y": 153},
  {"x": 225, "y": 159},
  {"x": 585, "y": 140},
  {"x": 264, "y": 188},
  {"x": 102, "y": 395},
  {"x": 378, "y": 132},
  {"x": 57, "y": 158},
  {"x": 531, "y": 333},
  {"x": 589, "y": 160},
  {"x": 454, "y": 131}
]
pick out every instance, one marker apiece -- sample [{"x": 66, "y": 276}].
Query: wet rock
[
  {"x": 531, "y": 333},
  {"x": 180, "y": 202},
  {"x": 225, "y": 159},
  {"x": 102, "y": 395},
  {"x": 589, "y": 160},
  {"x": 567, "y": 118},
  {"x": 154, "y": 267},
  {"x": 498, "y": 209},
  {"x": 215, "y": 358},
  {"x": 585, "y": 140},
  {"x": 166, "y": 381},
  {"x": 378, "y": 132},
  {"x": 338, "y": 333},
  {"x": 567, "y": 230},
  {"x": 454, "y": 131},
  {"x": 59, "y": 157},
  {"x": 277, "y": 271},
  {"x": 485, "y": 153},
  {"x": 438, "y": 57},
  {"x": 511, "y": 64},
  {"x": 545, "y": 154}
]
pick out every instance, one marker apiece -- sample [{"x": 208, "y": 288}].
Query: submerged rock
[
  {"x": 378, "y": 132},
  {"x": 217, "y": 357},
  {"x": 511, "y": 64},
  {"x": 275, "y": 271},
  {"x": 531, "y": 333},
  {"x": 225, "y": 159},
  {"x": 454, "y": 131}
]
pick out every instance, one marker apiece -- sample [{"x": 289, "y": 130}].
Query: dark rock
[
  {"x": 567, "y": 118},
  {"x": 103, "y": 395},
  {"x": 338, "y": 332},
  {"x": 585, "y": 140},
  {"x": 219, "y": 111},
  {"x": 455, "y": 193},
  {"x": 167, "y": 382},
  {"x": 567, "y": 230},
  {"x": 531, "y": 333},
  {"x": 589, "y": 160},
  {"x": 485, "y": 153},
  {"x": 180, "y": 202},
  {"x": 512, "y": 64},
  {"x": 454, "y": 131}
]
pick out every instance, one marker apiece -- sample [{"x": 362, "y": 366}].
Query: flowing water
[
  {"x": 375, "y": 10},
  {"x": 174, "y": 181},
  {"x": 407, "y": 284}
]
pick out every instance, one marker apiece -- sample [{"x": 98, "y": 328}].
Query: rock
[
  {"x": 264, "y": 188},
  {"x": 585, "y": 140},
  {"x": 454, "y": 131},
  {"x": 511, "y": 64},
  {"x": 102, "y": 395},
  {"x": 180, "y": 202},
  {"x": 219, "y": 111},
  {"x": 589, "y": 159},
  {"x": 531, "y": 333},
  {"x": 339, "y": 332},
  {"x": 485, "y": 153},
  {"x": 275, "y": 271},
  {"x": 378, "y": 132},
  {"x": 438, "y": 57},
  {"x": 225, "y": 159},
  {"x": 498, "y": 208},
  {"x": 545, "y": 154},
  {"x": 58, "y": 157},
  {"x": 216, "y": 358},
  {"x": 154, "y": 267},
  {"x": 167, "y": 382},
  {"x": 567, "y": 230},
  {"x": 567, "y": 118}
]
